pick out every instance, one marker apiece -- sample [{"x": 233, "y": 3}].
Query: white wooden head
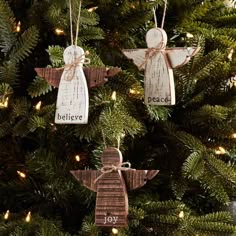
[
  {"x": 73, "y": 53},
  {"x": 156, "y": 38}
]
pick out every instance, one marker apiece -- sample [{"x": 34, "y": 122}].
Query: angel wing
[
  {"x": 137, "y": 178},
  {"x": 87, "y": 178},
  {"x": 95, "y": 76},
  {"x": 180, "y": 56},
  {"x": 51, "y": 75},
  {"x": 137, "y": 55}
]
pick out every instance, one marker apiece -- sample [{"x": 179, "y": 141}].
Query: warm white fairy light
[
  {"x": 133, "y": 91},
  {"x": 59, "y": 31},
  {"x": 113, "y": 96},
  {"x": 181, "y": 214},
  {"x": 4, "y": 104},
  {"x": 38, "y": 105},
  {"x": 230, "y": 55},
  {"x": 21, "y": 174},
  {"x": 188, "y": 35},
  {"x": 115, "y": 231},
  {"x": 77, "y": 158},
  {"x": 28, "y": 217},
  {"x": 233, "y": 135},
  {"x": 18, "y": 28},
  {"x": 91, "y": 9},
  {"x": 222, "y": 150},
  {"x": 6, "y": 215},
  {"x": 217, "y": 152}
]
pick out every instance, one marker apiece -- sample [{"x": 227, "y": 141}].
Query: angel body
[
  {"x": 111, "y": 187},
  {"x": 72, "y": 99},
  {"x": 158, "y": 62}
]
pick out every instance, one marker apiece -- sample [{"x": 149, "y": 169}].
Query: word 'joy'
[
  {"x": 110, "y": 219},
  {"x": 69, "y": 117}
]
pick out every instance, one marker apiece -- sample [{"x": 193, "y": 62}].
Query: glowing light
[
  {"x": 132, "y": 6},
  {"x": 21, "y": 174},
  {"x": 91, "y": 9},
  {"x": 217, "y": 152},
  {"x": 77, "y": 158},
  {"x": 222, "y": 150},
  {"x": 59, "y": 31},
  {"x": 113, "y": 96},
  {"x": 115, "y": 231},
  {"x": 233, "y": 135},
  {"x": 28, "y": 217},
  {"x": 188, "y": 35},
  {"x": 181, "y": 214},
  {"x": 38, "y": 105},
  {"x": 230, "y": 55},
  {"x": 132, "y": 91},
  {"x": 4, "y": 104},
  {"x": 6, "y": 215},
  {"x": 18, "y": 29}
]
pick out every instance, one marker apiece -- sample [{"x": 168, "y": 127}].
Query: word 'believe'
[{"x": 69, "y": 117}]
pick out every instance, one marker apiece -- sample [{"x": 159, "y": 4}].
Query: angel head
[
  {"x": 74, "y": 53},
  {"x": 156, "y": 38},
  {"x": 111, "y": 156}
]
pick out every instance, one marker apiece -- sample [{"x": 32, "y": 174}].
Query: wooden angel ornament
[
  {"x": 73, "y": 81},
  {"x": 111, "y": 184},
  {"x": 72, "y": 98},
  {"x": 158, "y": 62}
]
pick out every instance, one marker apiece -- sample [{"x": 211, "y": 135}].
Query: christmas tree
[{"x": 192, "y": 143}]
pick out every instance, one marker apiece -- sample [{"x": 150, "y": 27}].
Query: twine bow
[
  {"x": 151, "y": 52},
  {"x": 109, "y": 169},
  {"x": 80, "y": 60}
]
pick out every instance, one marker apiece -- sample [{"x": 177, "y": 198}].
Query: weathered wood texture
[
  {"x": 95, "y": 76},
  {"x": 158, "y": 62},
  {"x": 72, "y": 97},
  {"x": 111, "y": 186}
]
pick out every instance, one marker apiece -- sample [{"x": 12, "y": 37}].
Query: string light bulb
[
  {"x": 222, "y": 150},
  {"x": 113, "y": 96},
  {"x": 77, "y": 158},
  {"x": 28, "y": 217},
  {"x": 21, "y": 174},
  {"x": 233, "y": 135},
  {"x": 132, "y": 91},
  {"x": 188, "y": 35},
  {"x": 59, "y": 31},
  {"x": 18, "y": 27},
  {"x": 91, "y": 9},
  {"x": 230, "y": 55},
  {"x": 38, "y": 105},
  {"x": 6, "y": 215},
  {"x": 115, "y": 231},
  {"x": 4, "y": 104},
  {"x": 181, "y": 214}
]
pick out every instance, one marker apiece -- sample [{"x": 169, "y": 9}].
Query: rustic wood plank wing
[
  {"x": 138, "y": 178},
  {"x": 95, "y": 76},
  {"x": 158, "y": 62},
  {"x": 111, "y": 185},
  {"x": 87, "y": 178}
]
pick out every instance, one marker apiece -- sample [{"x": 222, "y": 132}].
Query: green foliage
[
  {"x": 39, "y": 87},
  {"x": 180, "y": 141}
]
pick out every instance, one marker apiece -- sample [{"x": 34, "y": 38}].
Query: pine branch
[{"x": 24, "y": 45}]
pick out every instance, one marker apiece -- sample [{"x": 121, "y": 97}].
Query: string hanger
[
  {"x": 163, "y": 16},
  {"x": 77, "y": 23}
]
